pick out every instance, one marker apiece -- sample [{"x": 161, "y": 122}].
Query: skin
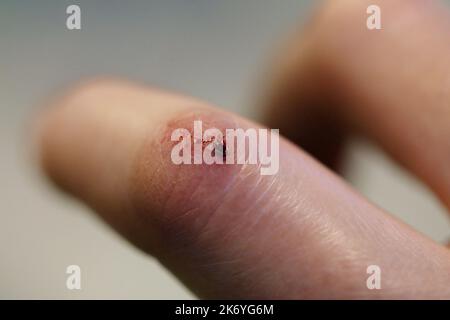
[{"x": 227, "y": 231}]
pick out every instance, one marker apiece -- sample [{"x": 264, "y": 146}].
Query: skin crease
[{"x": 226, "y": 231}]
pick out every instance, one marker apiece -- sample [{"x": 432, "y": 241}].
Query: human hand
[{"x": 228, "y": 231}]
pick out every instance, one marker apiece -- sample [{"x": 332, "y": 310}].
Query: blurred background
[{"x": 213, "y": 50}]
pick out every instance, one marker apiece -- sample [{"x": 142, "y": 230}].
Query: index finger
[{"x": 226, "y": 230}]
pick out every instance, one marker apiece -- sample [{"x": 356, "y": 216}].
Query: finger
[
  {"x": 389, "y": 84},
  {"x": 226, "y": 230}
]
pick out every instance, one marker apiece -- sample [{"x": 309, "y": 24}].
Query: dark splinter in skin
[
  {"x": 219, "y": 146},
  {"x": 210, "y": 120}
]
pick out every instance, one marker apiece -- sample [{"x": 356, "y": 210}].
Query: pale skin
[{"x": 227, "y": 231}]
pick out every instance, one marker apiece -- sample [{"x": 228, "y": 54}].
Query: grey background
[{"x": 214, "y": 50}]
